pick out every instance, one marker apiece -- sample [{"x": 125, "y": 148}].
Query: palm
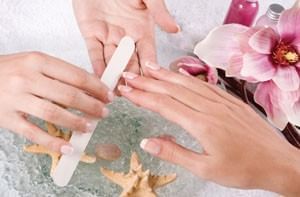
[{"x": 103, "y": 23}]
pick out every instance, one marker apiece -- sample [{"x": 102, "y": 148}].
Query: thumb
[
  {"x": 170, "y": 151},
  {"x": 161, "y": 15}
]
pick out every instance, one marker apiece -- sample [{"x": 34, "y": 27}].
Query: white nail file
[{"x": 68, "y": 163}]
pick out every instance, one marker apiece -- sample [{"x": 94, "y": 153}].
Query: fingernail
[
  {"x": 67, "y": 150},
  {"x": 178, "y": 29},
  {"x": 184, "y": 72},
  {"x": 129, "y": 75},
  {"x": 90, "y": 126},
  {"x": 111, "y": 96},
  {"x": 152, "y": 66},
  {"x": 105, "y": 112},
  {"x": 123, "y": 88},
  {"x": 150, "y": 146}
]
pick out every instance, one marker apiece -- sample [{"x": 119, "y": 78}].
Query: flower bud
[{"x": 195, "y": 67}]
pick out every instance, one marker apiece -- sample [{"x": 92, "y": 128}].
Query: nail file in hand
[{"x": 68, "y": 163}]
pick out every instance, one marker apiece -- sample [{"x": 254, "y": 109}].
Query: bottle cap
[{"x": 275, "y": 11}]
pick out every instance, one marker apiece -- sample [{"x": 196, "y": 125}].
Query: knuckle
[
  {"x": 49, "y": 112},
  {"x": 54, "y": 144},
  {"x": 18, "y": 82},
  {"x": 171, "y": 155},
  {"x": 28, "y": 132},
  {"x": 78, "y": 123},
  {"x": 161, "y": 100},
  {"x": 96, "y": 108},
  {"x": 82, "y": 78},
  {"x": 35, "y": 57},
  {"x": 72, "y": 97}
]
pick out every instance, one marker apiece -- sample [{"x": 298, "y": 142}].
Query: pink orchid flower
[
  {"x": 260, "y": 55},
  {"x": 281, "y": 106},
  {"x": 193, "y": 66}
]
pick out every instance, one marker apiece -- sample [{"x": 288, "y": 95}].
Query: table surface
[{"x": 49, "y": 26}]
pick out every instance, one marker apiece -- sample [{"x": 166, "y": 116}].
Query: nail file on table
[{"x": 68, "y": 163}]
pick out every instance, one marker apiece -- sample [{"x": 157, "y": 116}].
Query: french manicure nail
[
  {"x": 111, "y": 96},
  {"x": 90, "y": 126},
  {"x": 178, "y": 29},
  {"x": 105, "y": 112},
  {"x": 123, "y": 88},
  {"x": 129, "y": 75},
  {"x": 152, "y": 66},
  {"x": 150, "y": 146},
  {"x": 67, "y": 150}
]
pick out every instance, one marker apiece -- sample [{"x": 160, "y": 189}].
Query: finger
[
  {"x": 146, "y": 50},
  {"x": 55, "y": 114},
  {"x": 114, "y": 34},
  {"x": 167, "y": 137},
  {"x": 96, "y": 54},
  {"x": 175, "y": 91},
  {"x": 168, "y": 108},
  {"x": 38, "y": 136},
  {"x": 176, "y": 154},
  {"x": 133, "y": 65},
  {"x": 161, "y": 15},
  {"x": 202, "y": 88},
  {"x": 70, "y": 74},
  {"x": 68, "y": 96},
  {"x": 109, "y": 50}
]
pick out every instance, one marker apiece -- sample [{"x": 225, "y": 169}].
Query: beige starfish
[
  {"x": 138, "y": 183},
  {"x": 54, "y": 131}
]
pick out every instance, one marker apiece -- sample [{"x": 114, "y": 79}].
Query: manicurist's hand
[
  {"x": 240, "y": 148},
  {"x": 104, "y": 22},
  {"x": 39, "y": 85}
]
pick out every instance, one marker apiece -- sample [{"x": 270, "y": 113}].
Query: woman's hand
[
  {"x": 39, "y": 85},
  {"x": 103, "y": 23},
  {"x": 240, "y": 148}
]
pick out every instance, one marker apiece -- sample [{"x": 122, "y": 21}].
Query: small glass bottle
[
  {"x": 297, "y": 4},
  {"x": 242, "y": 12},
  {"x": 271, "y": 18}
]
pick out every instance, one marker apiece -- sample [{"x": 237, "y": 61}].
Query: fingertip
[
  {"x": 151, "y": 146},
  {"x": 66, "y": 149},
  {"x": 124, "y": 89}
]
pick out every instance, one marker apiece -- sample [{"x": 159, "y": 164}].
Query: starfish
[
  {"x": 138, "y": 183},
  {"x": 54, "y": 131}
]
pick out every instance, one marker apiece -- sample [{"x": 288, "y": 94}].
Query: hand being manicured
[
  {"x": 103, "y": 23},
  {"x": 240, "y": 148}
]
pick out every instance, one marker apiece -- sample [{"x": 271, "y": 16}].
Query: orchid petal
[
  {"x": 212, "y": 76},
  {"x": 264, "y": 40},
  {"x": 245, "y": 37},
  {"x": 294, "y": 114},
  {"x": 186, "y": 61},
  {"x": 288, "y": 27},
  {"x": 289, "y": 101},
  {"x": 287, "y": 78},
  {"x": 234, "y": 68},
  {"x": 258, "y": 66},
  {"x": 220, "y": 44},
  {"x": 263, "y": 96},
  {"x": 296, "y": 43}
]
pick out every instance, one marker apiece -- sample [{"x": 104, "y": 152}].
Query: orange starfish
[
  {"x": 138, "y": 183},
  {"x": 54, "y": 131}
]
